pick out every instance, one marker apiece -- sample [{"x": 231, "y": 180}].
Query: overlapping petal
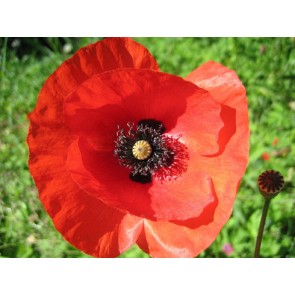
[
  {"x": 84, "y": 221},
  {"x": 190, "y": 237}
]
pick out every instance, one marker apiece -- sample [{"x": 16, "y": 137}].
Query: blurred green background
[{"x": 265, "y": 65}]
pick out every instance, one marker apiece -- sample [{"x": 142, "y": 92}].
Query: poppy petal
[
  {"x": 79, "y": 217},
  {"x": 226, "y": 88},
  {"x": 75, "y": 214},
  {"x": 189, "y": 237},
  {"x": 106, "y": 55},
  {"x": 165, "y": 239}
]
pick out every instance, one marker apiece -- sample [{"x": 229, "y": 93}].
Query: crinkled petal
[
  {"x": 165, "y": 239},
  {"x": 108, "y": 54},
  {"x": 84, "y": 221},
  {"x": 188, "y": 238},
  {"x": 226, "y": 88}
]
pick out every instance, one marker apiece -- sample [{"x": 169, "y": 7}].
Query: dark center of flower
[{"x": 148, "y": 153}]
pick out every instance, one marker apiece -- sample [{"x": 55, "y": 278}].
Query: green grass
[{"x": 265, "y": 65}]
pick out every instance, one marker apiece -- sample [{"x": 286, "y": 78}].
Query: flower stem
[{"x": 261, "y": 227}]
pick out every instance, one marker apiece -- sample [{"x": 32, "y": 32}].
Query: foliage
[{"x": 265, "y": 65}]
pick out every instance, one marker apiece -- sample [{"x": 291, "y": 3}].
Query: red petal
[
  {"x": 200, "y": 125},
  {"x": 84, "y": 221},
  {"x": 81, "y": 219},
  {"x": 106, "y": 55},
  {"x": 189, "y": 238},
  {"x": 115, "y": 98},
  {"x": 165, "y": 239},
  {"x": 226, "y": 88}
]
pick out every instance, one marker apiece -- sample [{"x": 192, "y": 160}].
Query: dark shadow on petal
[
  {"x": 142, "y": 241},
  {"x": 206, "y": 217},
  {"x": 228, "y": 116}
]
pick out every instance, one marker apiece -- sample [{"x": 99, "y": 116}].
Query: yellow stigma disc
[{"x": 141, "y": 150}]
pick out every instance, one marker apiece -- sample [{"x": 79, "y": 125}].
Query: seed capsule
[
  {"x": 141, "y": 150},
  {"x": 270, "y": 183}
]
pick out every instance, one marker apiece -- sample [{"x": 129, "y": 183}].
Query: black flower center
[{"x": 148, "y": 153}]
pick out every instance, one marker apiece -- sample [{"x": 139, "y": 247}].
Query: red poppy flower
[{"x": 122, "y": 153}]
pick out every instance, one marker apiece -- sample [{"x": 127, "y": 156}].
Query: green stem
[{"x": 261, "y": 227}]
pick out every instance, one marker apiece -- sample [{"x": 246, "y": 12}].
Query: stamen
[
  {"x": 148, "y": 153},
  {"x": 157, "y": 125}
]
